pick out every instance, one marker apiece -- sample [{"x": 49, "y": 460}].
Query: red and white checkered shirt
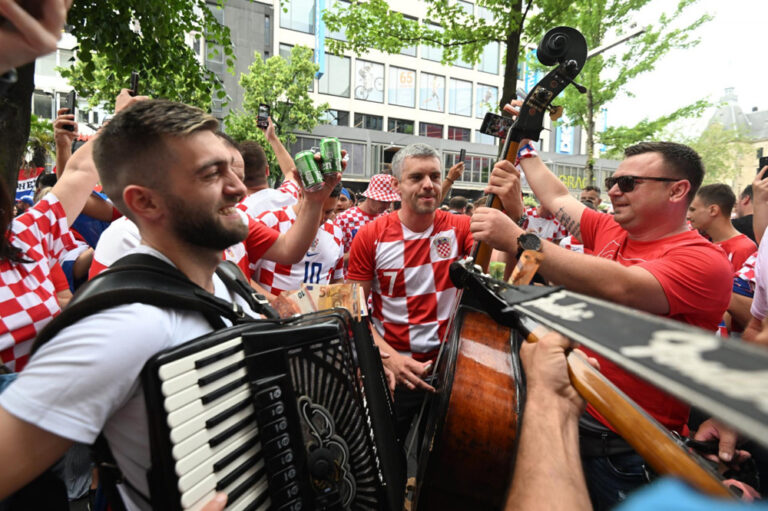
[
  {"x": 545, "y": 227},
  {"x": 412, "y": 294},
  {"x": 747, "y": 271},
  {"x": 322, "y": 263},
  {"x": 270, "y": 199},
  {"x": 350, "y": 221},
  {"x": 27, "y": 295}
]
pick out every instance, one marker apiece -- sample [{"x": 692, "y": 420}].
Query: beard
[{"x": 194, "y": 226}]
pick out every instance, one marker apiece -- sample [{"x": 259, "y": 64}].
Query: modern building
[{"x": 381, "y": 102}]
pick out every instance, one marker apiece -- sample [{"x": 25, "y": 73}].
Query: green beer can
[
  {"x": 330, "y": 150},
  {"x": 310, "y": 175}
]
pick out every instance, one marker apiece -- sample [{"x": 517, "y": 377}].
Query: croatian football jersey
[
  {"x": 27, "y": 295},
  {"x": 350, "y": 221},
  {"x": 322, "y": 263},
  {"x": 270, "y": 199},
  {"x": 572, "y": 244},
  {"x": 545, "y": 227},
  {"x": 412, "y": 293}
]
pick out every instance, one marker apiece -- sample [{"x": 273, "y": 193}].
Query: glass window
[
  {"x": 462, "y": 134},
  {"x": 214, "y": 53},
  {"x": 46, "y": 65},
  {"x": 400, "y": 126},
  {"x": 410, "y": 50},
  {"x": 489, "y": 59},
  {"x": 402, "y": 87},
  {"x": 42, "y": 105},
  {"x": 298, "y": 15},
  {"x": 369, "y": 122},
  {"x": 66, "y": 58},
  {"x": 430, "y": 130},
  {"x": 432, "y": 52},
  {"x": 486, "y": 100},
  {"x": 482, "y": 138},
  {"x": 356, "y": 163},
  {"x": 459, "y": 97},
  {"x": 285, "y": 52},
  {"x": 432, "y": 92},
  {"x": 469, "y": 8},
  {"x": 267, "y": 31},
  {"x": 335, "y": 81},
  {"x": 335, "y": 117},
  {"x": 334, "y": 7},
  {"x": 369, "y": 81}
]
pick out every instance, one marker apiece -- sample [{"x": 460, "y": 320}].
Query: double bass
[
  {"x": 470, "y": 430},
  {"x": 471, "y": 427}
]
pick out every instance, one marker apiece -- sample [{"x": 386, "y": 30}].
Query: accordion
[{"x": 280, "y": 416}]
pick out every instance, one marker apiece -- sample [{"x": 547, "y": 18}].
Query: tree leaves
[
  {"x": 283, "y": 85},
  {"x": 151, "y": 37}
]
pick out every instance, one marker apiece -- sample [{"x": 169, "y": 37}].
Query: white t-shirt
[
  {"x": 87, "y": 378},
  {"x": 268, "y": 199}
]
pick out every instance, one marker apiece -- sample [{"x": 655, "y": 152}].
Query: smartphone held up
[
  {"x": 262, "y": 120},
  {"x": 70, "y": 101}
]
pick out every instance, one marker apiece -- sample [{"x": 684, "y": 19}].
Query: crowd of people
[{"x": 161, "y": 179}]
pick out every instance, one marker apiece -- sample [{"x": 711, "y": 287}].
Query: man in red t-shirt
[
  {"x": 710, "y": 213},
  {"x": 647, "y": 258},
  {"x": 402, "y": 259}
]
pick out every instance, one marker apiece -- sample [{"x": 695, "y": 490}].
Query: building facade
[{"x": 381, "y": 102}]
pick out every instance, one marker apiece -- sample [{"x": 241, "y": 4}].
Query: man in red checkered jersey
[
  {"x": 378, "y": 196},
  {"x": 403, "y": 258},
  {"x": 322, "y": 263}
]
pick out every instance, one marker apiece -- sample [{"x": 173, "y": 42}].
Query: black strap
[
  {"x": 142, "y": 278},
  {"x": 234, "y": 279}
]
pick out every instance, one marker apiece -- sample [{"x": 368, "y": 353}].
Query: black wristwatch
[{"x": 528, "y": 241}]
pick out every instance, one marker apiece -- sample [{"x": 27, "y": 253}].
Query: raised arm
[
  {"x": 63, "y": 138},
  {"x": 284, "y": 158},
  {"x": 553, "y": 194},
  {"x": 632, "y": 286},
  {"x": 454, "y": 174},
  {"x": 78, "y": 178},
  {"x": 760, "y": 204}
]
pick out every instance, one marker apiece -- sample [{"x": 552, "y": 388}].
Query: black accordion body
[{"x": 289, "y": 416}]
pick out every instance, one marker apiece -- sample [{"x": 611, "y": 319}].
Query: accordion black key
[{"x": 289, "y": 416}]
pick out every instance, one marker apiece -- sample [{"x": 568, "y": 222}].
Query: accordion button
[
  {"x": 276, "y": 445},
  {"x": 272, "y": 412},
  {"x": 275, "y": 428},
  {"x": 296, "y": 505},
  {"x": 268, "y": 395},
  {"x": 283, "y": 477},
  {"x": 287, "y": 493},
  {"x": 280, "y": 461}
]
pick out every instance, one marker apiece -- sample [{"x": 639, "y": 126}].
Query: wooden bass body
[{"x": 472, "y": 421}]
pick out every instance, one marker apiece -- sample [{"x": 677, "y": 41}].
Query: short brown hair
[
  {"x": 130, "y": 149},
  {"x": 718, "y": 194},
  {"x": 684, "y": 162},
  {"x": 255, "y": 163}
]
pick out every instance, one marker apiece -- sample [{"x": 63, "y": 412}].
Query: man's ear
[
  {"x": 144, "y": 202},
  {"x": 396, "y": 183},
  {"x": 679, "y": 190},
  {"x": 714, "y": 210}
]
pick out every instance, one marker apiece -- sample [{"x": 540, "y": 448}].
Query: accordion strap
[{"x": 142, "y": 278}]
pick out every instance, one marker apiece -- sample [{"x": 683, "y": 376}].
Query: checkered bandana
[{"x": 380, "y": 188}]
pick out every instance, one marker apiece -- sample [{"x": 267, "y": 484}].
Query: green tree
[
  {"x": 115, "y": 38},
  {"x": 722, "y": 151},
  {"x": 283, "y": 85},
  {"x": 40, "y": 143},
  {"x": 462, "y": 36},
  {"x": 606, "y": 76}
]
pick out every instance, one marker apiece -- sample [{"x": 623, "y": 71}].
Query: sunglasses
[{"x": 627, "y": 183}]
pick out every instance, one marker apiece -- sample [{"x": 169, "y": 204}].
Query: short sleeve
[
  {"x": 590, "y": 224},
  {"x": 362, "y": 255},
  {"x": 695, "y": 279},
  {"x": 260, "y": 239},
  {"x": 290, "y": 187},
  {"x": 760, "y": 303}
]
